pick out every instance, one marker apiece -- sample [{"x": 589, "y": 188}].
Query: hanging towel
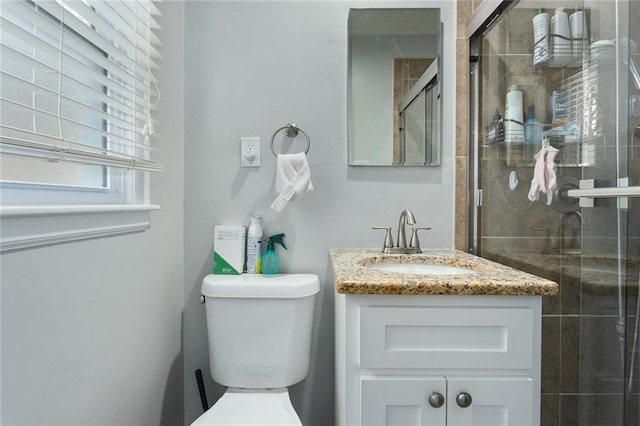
[
  {"x": 550, "y": 172},
  {"x": 537, "y": 183},
  {"x": 293, "y": 179},
  {"x": 544, "y": 174}
]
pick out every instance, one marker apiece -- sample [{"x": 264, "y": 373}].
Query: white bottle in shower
[
  {"x": 579, "y": 34},
  {"x": 513, "y": 116},
  {"x": 561, "y": 37},
  {"x": 541, "y": 38}
]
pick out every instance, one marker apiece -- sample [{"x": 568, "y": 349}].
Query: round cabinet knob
[
  {"x": 436, "y": 400},
  {"x": 463, "y": 399}
]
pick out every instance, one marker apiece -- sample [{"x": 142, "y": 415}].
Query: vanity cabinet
[{"x": 437, "y": 360}]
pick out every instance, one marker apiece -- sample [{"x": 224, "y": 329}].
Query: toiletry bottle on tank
[
  {"x": 270, "y": 261},
  {"x": 254, "y": 250}
]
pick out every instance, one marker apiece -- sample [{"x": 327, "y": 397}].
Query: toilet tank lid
[{"x": 260, "y": 286}]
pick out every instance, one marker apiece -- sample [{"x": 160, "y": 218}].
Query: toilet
[{"x": 259, "y": 330}]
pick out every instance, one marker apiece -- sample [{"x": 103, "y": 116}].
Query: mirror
[{"x": 394, "y": 79}]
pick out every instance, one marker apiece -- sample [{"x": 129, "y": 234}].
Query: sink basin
[{"x": 419, "y": 268}]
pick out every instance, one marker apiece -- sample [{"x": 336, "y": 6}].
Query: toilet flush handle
[{"x": 202, "y": 299}]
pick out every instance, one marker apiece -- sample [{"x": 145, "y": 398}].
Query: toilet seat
[{"x": 251, "y": 407}]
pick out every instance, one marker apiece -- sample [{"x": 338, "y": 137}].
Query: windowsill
[{"x": 27, "y": 227}]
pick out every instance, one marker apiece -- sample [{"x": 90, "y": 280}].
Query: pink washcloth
[
  {"x": 544, "y": 174},
  {"x": 550, "y": 173},
  {"x": 538, "y": 183}
]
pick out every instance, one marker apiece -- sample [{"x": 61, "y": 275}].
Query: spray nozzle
[{"x": 275, "y": 239}]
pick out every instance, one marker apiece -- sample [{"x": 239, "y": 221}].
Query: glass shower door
[
  {"x": 609, "y": 346},
  {"x": 587, "y": 238}
]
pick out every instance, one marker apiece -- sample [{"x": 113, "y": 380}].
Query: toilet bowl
[
  {"x": 251, "y": 407},
  {"x": 259, "y": 330}
]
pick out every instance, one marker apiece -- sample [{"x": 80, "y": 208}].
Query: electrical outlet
[{"x": 250, "y": 152}]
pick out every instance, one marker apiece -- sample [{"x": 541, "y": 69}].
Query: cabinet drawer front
[{"x": 446, "y": 337}]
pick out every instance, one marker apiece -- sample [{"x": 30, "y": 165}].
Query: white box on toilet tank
[{"x": 228, "y": 250}]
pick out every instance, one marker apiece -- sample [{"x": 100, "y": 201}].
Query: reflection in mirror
[
  {"x": 394, "y": 66},
  {"x": 419, "y": 115}
]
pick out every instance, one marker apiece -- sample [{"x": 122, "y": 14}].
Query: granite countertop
[{"x": 488, "y": 278}]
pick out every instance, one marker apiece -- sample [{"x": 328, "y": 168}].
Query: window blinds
[{"x": 76, "y": 80}]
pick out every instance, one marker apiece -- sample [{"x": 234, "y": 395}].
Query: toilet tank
[{"x": 259, "y": 328}]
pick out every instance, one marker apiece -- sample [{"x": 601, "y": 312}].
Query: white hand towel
[{"x": 293, "y": 179}]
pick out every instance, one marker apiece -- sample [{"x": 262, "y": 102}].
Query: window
[{"x": 76, "y": 97}]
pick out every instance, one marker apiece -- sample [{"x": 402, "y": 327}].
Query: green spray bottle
[{"x": 270, "y": 261}]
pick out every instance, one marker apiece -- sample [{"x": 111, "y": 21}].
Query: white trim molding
[{"x": 35, "y": 226}]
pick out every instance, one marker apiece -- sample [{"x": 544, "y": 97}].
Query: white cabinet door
[
  {"x": 495, "y": 401},
  {"x": 401, "y": 402}
]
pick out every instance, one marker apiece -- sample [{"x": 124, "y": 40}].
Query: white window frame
[{"x": 34, "y": 215}]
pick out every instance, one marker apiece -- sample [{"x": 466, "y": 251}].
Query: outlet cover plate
[{"x": 250, "y": 146}]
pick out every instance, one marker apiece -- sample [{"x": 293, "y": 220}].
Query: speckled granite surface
[{"x": 488, "y": 278}]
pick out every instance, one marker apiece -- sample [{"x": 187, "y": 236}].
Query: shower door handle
[{"x": 588, "y": 192}]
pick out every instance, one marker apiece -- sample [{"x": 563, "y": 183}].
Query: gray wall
[
  {"x": 250, "y": 68},
  {"x": 91, "y": 331}
]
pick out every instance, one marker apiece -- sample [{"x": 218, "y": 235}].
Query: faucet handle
[
  {"x": 388, "y": 239},
  {"x": 415, "y": 242}
]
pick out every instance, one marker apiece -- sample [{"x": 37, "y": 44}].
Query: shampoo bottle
[
  {"x": 561, "y": 38},
  {"x": 270, "y": 261},
  {"x": 541, "y": 38},
  {"x": 579, "y": 34},
  {"x": 513, "y": 116},
  {"x": 254, "y": 249},
  {"x": 532, "y": 129}
]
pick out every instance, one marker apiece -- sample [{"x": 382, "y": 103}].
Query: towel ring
[{"x": 291, "y": 130}]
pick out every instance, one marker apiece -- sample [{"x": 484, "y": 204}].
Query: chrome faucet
[{"x": 406, "y": 218}]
